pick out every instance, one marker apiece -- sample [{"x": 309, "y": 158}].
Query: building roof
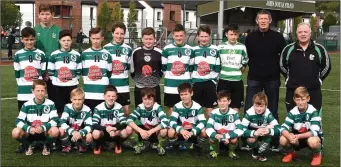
[
  {"x": 125, "y": 3},
  {"x": 24, "y": 1},
  {"x": 89, "y": 2},
  {"x": 188, "y": 5}
]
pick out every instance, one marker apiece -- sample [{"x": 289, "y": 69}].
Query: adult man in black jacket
[
  {"x": 304, "y": 63},
  {"x": 264, "y": 47}
]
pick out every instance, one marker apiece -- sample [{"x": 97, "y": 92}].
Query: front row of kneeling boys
[{"x": 38, "y": 121}]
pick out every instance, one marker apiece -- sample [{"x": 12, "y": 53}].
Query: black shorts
[
  {"x": 20, "y": 104},
  {"x": 36, "y": 137},
  {"x": 92, "y": 103},
  {"x": 170, "y": 100},
  {"x": 138, "y": 98},
  {"x": 51, "y": 91},
  {"x": 63, "y": 96},
  {"x": 236, "y": 88},
  {"x": 303, "y": 143},
  {"x": 123, "y": 98},
  {"x": 205, "y": 93},
  {"x": 192, "y": 139},
  {"x": 151, "y": 139},
  {"x": 106, "y": 136}
]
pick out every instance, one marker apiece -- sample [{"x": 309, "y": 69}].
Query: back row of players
[{"x": 181, "y": 64}]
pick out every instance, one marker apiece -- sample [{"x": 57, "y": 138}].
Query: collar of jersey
[
  {"x": 178, "y": 45},
  {"x": 30, "y": 50},
  {"x": 228, "y": 110},
  {"x": 105, "y": 105},
  {"x": 303, "y": 111},
  {"x": 34, "y": 100},
  {"x": 65, "y": 51},
  {"x": 116, "y": 44},
  {"x": 207, "y": 46},
  {"x": 76, "y": 110},
  {"x": 46, "y": 28},
  {"x": 96, "y": 49},
  {"x": 228, "y": 43},
  {"x": 188, "y": 107}
]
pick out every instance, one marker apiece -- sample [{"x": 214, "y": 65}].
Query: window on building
[
  {"x": 91, "y": 12},
  {"x": 61, "y": 11},
  {"x": 186, "y": 16},
  {"x": 158, "y": 16},
  {"x": 172, "y": 16}
]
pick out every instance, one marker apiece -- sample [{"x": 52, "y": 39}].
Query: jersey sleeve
[
  {"x": 315, "y": 122},
  {"x": 53, "y": 119},
  {"x": 191, "y": 61},
  {"x": 245, "y": 126},
  {"x": 245, "y": 58},
  {"x": 134, "y": 115},
  {"x": 87, "y": 125},
  {"x": 129, "y": 58},
  {"x": 21, "y": 119},
  {"x": 201, "y": 122},
  {"x": 96, "y": 118},
  {"x": 217, "y": 65},
  {"x": 174, "y": 120},
  {"x": 162, "y": 117},
  {"x": 51, "y": 65},
  {"x": 122, "y": 118},
  {"x": 79, "y": 66},
  {"x": 283, "y": 62},
  {"x": 325, "y": 63},
  {"x": 288, "y": 123},
  {"x": 44, "y": 62},
  {"x": 210, "y": 126},
  {"x": 63, "y": 121},
  {"x": 131, "y": 62},
  {"x": 238, "y": 131},
  {"x": 164, "y": 59},
  {"x": 16, "y": 66}
]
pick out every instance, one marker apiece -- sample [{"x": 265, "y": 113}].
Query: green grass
[{"x": 331, "y": 126}]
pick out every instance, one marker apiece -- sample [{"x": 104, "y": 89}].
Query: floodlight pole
[{"x": 220, "y": 20}]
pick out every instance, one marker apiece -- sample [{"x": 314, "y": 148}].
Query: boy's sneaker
[
  {"x": 97, "y": 150},
  {"x": 317, "y": 158},
  {"x": 288, "y": 157},
  {"x": 154, "y": 146},
  {"x": 169, "y": 146},
  {"x": 255, "y": 154},
  {"x": 20, "y": 149},
  {"x": 138, "y": 149},
  {"x": 245, "y": 148},
  {"x": 262, "y": 158},
  {"x": 29, "y": 150},
  {"x": 118, "y": 149},
  {"x": 182, "y": 146},
  {"x": 213, "y": 154},
  {"x": 274, "y": 148},
  {"x": 160, "y": 150},
  {"x": 46, "y": 150},
  {"x": 83, "y": 149},
  {"x": 233, "y": 155},
  {"x": 66, "y": 149}
]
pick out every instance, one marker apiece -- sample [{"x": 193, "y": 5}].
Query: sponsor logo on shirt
[
  {"x": 30, "y": 73},
  {"x": 117, "y": 67}
]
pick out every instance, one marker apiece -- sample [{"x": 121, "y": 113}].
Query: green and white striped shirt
[
  {"x": 96, "y": 72},
  {"x": 149, "y": 118},
  {"x": 224, "y": 123},
  {"x": 233, "y": 58},
  {"x": 206, "y": 63},
  {"x": 120, "y": 55},
  {"x": 31, "y": 112},
  {"x": 176, "y": 66},
  {"x": 182, "y": 116},
  {"x": 65, "y": 67},
  {"x": 253, "y": 121},
  {"x": 72, "y": 120},
  {"x": 105, "y": 116},
  {"x": 29, "y": 65}
]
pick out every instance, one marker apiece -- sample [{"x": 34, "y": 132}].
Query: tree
[
  {"x": 329, "y": 20},
  {"x": 313, "y": 26},
  {"x": 328, "y": 6},
  {"x": 132, "y": 18},
  {"x": 104, "y": 17},
  {"x": 117, "y": 13},
  {"x": 10, "y": 15},
  {"x": 297, "y": 20},
  {"x": 281, "y": 26}
]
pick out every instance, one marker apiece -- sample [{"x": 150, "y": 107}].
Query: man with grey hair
[
  {"x": 264, "y": 47},
  {"x": 304, "y": 63}
]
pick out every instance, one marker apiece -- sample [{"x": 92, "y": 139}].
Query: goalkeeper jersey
[
  {"x": 65, "y": 68},
  {"x": 301, "y": 122},
  {"x": 72, "y": 120},
  {"x": 105, "y": 116},
  {"x": 192, "y": 117},
  {"x": 224, "y": 123},
  {"x": 120, "y": 55},
  {"x": 149, "y": 118},
  {"x": 206, "y": 63},
  {"x": 252, "y": 121},
  {"x": 96, "y": 72},
  {"x": 32, "y": 115},
  {"x": 176, "y": 66},
  {"x": 29, "y": 65},
  {"x": 233, "y": 57}
]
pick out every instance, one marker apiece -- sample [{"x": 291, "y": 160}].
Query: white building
[{"x": 27, "y": 9}]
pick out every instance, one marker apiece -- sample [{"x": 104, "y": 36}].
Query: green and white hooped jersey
[
  {"x": 31, "y": 113},
  {"x": 72, "y": 120},
  {"x": 176, "y": 66},
  {"x": 65, "y": 67},
  {"x": 233, "y": 58},
  {"x": 224, "y": 123},
  {"x": 206, "y": 63},
  {"x": 105, "y": 116},
  {"x": 253, "y": 121},
  {"x": 301, "y": 122},
  {"x": 29, "y": 65},
  {"x": 120, "y": 55},
  {"x": 193, "y": 117},
  {"x": 149, "y": 118},
  {"x": 96, "y": 72}
]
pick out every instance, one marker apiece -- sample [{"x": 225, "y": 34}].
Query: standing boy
[
  {"x": 120, "y": 55},
  {"x": 96, "y": 70}
]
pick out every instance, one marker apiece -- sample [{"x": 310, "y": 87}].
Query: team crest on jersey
[
  {"x": 231, "y": 51},
  {"x": 73, "y": 58},
  {"x": 231, "y": 118},
  {"x": 38, "y": 34},
  {"x": 307, "y": 117},
  {"x": 125, "y": 51},
  {"x": 115, "y": 113},
  {"x": 147, "y": 58},
  {"x": 105, "y": 56},
  {"x": 153, "y": 114},
  {"x": 38, "y": 57},
  {"x": 213, "y": 52},
  {"x": 311, "y": 57},
  {"x": 47, "y": 109},
  {"x": 82, "y": 115},
  {"x": 193, "y": 113},
  {"x": 54, "y": 35},
  {"x": 187, "y": 52}
]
